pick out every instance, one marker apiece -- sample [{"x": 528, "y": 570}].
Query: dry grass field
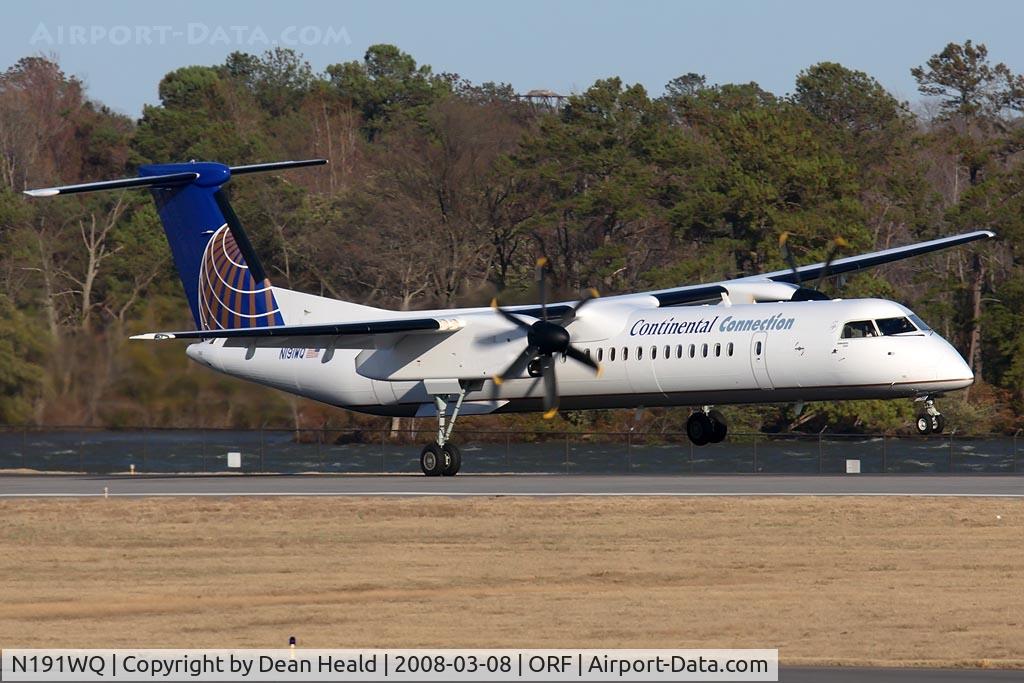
[{"x": 935, "y": 581}]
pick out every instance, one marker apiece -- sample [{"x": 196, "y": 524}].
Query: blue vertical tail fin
[{"x": 223, "y": 279}]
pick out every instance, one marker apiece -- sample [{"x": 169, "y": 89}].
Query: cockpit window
[
  {"x": 921, "y": 325},
  {"x": 858, "y": 329},
  {"x": 890, "y": 326}
]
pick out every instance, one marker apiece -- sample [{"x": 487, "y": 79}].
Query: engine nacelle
[{"x": 764, "y": 291}]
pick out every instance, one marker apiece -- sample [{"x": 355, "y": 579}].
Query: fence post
[
  {"x": 319, "y": 448},
  {"x": 567, "y": 452},
  {"x": 1014, "y": 467},
  {"x": 629, "y": 452},
  {"x": 820, "y": 455}
]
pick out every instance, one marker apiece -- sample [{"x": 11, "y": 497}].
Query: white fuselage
[{"x": 650, "y": 356}]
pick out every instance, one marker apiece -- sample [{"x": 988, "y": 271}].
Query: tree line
[{"x": 442, "y": 192}]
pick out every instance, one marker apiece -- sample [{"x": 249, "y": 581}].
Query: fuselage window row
[{"x": 666, "y": 353}]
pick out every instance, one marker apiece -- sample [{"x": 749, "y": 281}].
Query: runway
[{"x": 49, "y": 486}]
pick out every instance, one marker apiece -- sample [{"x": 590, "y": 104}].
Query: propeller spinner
[{"x": 544, "y": 340}]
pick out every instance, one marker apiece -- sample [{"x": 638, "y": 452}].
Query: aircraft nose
[{"x": 953, "y": 367}]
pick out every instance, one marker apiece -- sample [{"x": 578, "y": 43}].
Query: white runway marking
[{"x": 553, "y": 486}]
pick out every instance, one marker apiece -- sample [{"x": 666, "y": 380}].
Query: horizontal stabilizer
[
  {"x": 168, "y": 180},
  {"x": 329, "y": 330},
  {"x": 275, "y": 166}
]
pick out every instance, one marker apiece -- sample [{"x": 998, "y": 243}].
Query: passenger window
[
  {"x": 586, "y": 352},
  {"x": 625, "y": 353},
  {"x": 757, "y": 349},
  {"x": 654, "y": 353},
  {"x": 704, "y": 350},
  {"x": 890, "y": 326},
  {"x": 728, "y": 349},
  {"x": 718, "y": 350},
  {"x": 693, "y": 350},
  {"x": 859, "y": 329},
  {"x": 668, "y": 352},
  {"x": 679, "y": 351},
  {"x": 600, "y": 354},
  {"x": 639, "y": 352},
  {"x": 611, "y": 354}
]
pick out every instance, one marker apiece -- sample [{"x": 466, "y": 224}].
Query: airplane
[{"x": 765, "y": 338}]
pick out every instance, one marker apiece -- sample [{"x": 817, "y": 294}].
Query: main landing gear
[
  {"x": 706, "y": 426},
  {"x": 443, "y": 458},
  {"x": 931, "y": 420}
]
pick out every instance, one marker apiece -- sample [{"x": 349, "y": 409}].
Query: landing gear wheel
[
  {"x": 433, "y": 460},
  {"x": 453, "y": 458},
  {"x": 700, "y": 428},
  {"x": 938, "y": 423},
  {"x": 719, "y": 428},
  {"x": 923, "y": 424}
]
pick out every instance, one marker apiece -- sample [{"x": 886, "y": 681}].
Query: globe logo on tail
[{"x": 229, "y": 298}]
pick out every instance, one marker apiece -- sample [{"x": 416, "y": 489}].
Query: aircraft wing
[
  {"x": 876, "y": 258},
  {"x": 363, "y": 328},
  {"x": 707, "y": 292}
]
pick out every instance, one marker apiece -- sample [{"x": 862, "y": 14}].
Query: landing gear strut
[
  {"x": 706, "y": 426},
  {"x": 931, "y": 420},
  {"x": 443, "y": 458}
]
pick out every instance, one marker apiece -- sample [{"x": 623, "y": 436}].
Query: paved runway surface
[{"x": 27, "y": 486}]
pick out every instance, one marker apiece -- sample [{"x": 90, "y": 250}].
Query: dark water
[{"x": 170, "y": 451}]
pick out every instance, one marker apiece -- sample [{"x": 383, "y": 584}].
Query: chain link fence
[{"x": 170, "y": 451}]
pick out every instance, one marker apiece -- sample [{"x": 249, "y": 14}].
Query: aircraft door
[{"x": 759, "y": 360}]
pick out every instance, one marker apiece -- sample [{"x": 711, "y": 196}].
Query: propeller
[
  {"x": 545, "y": 338},
  {"x": 808, "y": 293}
]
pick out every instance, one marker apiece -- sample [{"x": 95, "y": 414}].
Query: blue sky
[{"x": 122, "y": 49}]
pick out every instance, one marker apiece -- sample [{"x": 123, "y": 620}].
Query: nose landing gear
[
  {"x": 706, "y": 426},
  {"x": 931, "y": 420}
]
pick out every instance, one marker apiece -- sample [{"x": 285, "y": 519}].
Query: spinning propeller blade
[
  {"x": 837, "y": 244},
  {"x": 544, "y": 339},
  {"x": 518, "y": 365},
  {"x": 808, "y": 293},
  {"x": 788, "y": 255},
  {"x": 550, "y": 387}
]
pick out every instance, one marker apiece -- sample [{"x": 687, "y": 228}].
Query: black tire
[
  {"x": 719, "y": 428},
  {"x": 433, "y": 460},
  {"x": 923, "y": 424},
  {"x": 699, "y": 428},
  {"x": 453, "y": 459},
  {"x": 938, "y": 424}
]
